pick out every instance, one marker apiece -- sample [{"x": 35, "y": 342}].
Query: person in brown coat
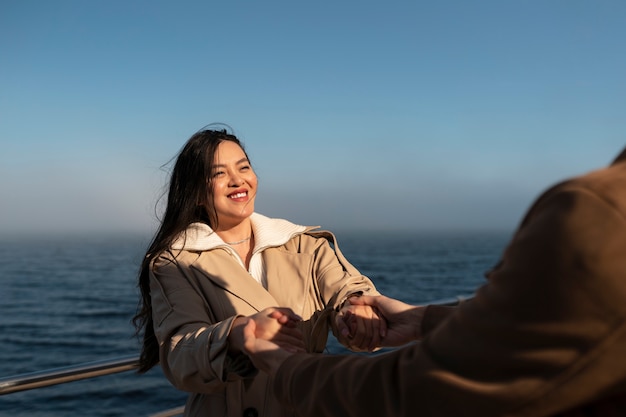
[{"x": 545, "y": 336}]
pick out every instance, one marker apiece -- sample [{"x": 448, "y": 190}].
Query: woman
[{"x": 214, "y": 264}]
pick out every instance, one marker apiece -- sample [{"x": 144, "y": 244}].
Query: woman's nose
[{"x": 236, "y": 180}]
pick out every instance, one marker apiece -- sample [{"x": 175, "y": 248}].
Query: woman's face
[{"x": 234, "y": 185}]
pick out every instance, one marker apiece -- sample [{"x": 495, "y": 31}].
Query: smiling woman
[
  {"x": 215, "y": 265},
  {"x": 233, "y": 184}
]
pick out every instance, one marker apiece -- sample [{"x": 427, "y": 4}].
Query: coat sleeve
[
  {"x": 336, "y": 279},
  {"x": 545, "y": 334},
  {"x": 193, "y": 348}
]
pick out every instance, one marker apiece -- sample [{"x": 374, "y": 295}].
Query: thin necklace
[{"x": 239, "y": 241}]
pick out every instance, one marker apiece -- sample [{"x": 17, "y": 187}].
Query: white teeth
[{"x": 238, "y": 195}]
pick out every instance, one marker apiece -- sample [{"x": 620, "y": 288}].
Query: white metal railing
[
  {"x": 33, "y": 380},
  {"x": 56, "y": 376}
]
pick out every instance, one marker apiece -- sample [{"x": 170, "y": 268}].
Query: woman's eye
[{"x": 218, "y": 174}]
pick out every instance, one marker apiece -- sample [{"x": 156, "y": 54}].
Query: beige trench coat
[{"x": 197, "y": 295}]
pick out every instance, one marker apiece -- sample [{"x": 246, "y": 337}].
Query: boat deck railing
[{"x": 40, "y": 379}]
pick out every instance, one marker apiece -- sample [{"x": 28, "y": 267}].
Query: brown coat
[
  {"x": 197, "y": 294},
  {"x": 545, "y": 335}
]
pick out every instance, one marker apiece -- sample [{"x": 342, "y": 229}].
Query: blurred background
[{"x": 363, "y": 115}]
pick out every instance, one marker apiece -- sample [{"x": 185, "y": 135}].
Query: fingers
[
  {"x": 290, "y": 338},
  {"x": 362, "y": 336},
  {"x": 265, "y": 355},
  {"x": 285, "y": 316},
  {"x": 342, "y": 321},
  {"x": 374, "y": 331},
  {"x": 361, "y": 327},
  {"x": 280, "y": 325},
  {"x": 248, "y": 337}
]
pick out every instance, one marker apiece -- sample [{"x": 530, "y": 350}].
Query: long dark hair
[{"x": 189, "y": 200}]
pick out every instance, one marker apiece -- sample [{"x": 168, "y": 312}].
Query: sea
[{"x": 66, "y": 301}]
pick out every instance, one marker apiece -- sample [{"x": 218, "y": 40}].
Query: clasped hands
[{"x": 364, "y": 323}]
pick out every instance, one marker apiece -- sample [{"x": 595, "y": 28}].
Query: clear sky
[{"x": 356, "y": 114}]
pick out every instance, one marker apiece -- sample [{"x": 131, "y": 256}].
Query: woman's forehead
[{"x": 228, "y": 152}]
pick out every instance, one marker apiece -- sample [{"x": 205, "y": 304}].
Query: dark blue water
[{"x": 66, "y": 301}]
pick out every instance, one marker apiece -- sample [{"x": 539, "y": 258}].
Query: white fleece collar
[{"x": 268, "y": 232}]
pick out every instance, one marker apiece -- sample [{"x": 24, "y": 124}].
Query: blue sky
[{"x": 356, "y": 114}]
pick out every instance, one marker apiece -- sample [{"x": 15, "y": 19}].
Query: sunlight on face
[{"x": 234, "y": 185}]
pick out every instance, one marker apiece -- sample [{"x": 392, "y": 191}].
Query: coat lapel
[{"x": 218, "y": 266}]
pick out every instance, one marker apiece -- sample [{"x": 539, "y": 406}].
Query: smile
[{"x": 238, "y": 195}]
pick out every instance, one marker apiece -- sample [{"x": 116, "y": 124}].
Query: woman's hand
[
  {"x": 403, "y": 321},
  {"x": 360, "y": 327},
  {"x": 276, "y": 324},
  {"x": 266, "y": 356}
]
